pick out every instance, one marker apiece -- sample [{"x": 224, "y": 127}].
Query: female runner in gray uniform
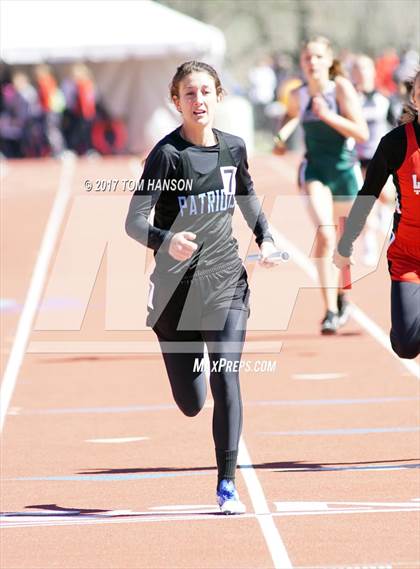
[{"x": 199, "y": 292}]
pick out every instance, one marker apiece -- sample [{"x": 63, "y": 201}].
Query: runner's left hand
[{"x": 267, "y": 248}]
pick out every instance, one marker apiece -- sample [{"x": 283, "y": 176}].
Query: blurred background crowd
[
  {"x": 40, "y": 116},
  {"x": 45, "y": 111}
]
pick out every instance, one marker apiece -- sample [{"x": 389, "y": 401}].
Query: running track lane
[{"x": 66, "y": 400}]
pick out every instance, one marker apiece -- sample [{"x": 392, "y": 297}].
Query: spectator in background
[
  {"x": 386, "y": 65},
  {"x": 346, "y": 58},
  {"x": 263, "y": 82},
  {"x": 375, "y": 106},
  {"x": 5, "y": 79},
  {"x": 34, "y": 142},
  {"x": 12, "y": 117},
  {"x": 287, "y": 79},
  {"x": 398, "y": 101},
  {"x": 78, "y": 116},
  {"x": 109, "y": 135},
  {"x": 27, "y": 91},
  {"x": 283, "y": 69},
  {"x": 408, "y": 65},
  {"x": 22, "y": 127},
  {"x": 376, "y": 110},
  {"x": 295, "y": 140},
  {"x": 52, "y": 103},
  {"x": 403, "y": 74}
]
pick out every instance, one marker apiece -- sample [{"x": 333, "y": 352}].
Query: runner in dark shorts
[{"x": 199, "y": 295}]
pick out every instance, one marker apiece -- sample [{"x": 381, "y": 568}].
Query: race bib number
[{"x": 229, "y": 179}]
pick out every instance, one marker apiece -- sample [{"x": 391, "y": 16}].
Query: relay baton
[
  {"x": 277, "y": 256},
  {"x": 345, "y": 273}
]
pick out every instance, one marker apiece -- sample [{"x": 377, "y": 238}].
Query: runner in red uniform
[{"x": 398, "y": 154}]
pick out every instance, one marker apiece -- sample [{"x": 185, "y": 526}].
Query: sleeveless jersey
[
  {"x": 330, "y": 157},
  {"x": 323, "y": 143},
  {"x": 407, "y": 183},
  {"x": 398, "y": 154}
]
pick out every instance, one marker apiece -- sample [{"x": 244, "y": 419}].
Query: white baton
[{"x": 277, "y": 256}]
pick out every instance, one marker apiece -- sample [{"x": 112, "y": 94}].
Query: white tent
[{"x": 131, "y": 46}]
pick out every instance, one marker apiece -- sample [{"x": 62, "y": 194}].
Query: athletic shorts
[
  {"x": 404, "y": 260},
  {"x": 178, "y": 312},
  {"x": 343, "y": 184}
]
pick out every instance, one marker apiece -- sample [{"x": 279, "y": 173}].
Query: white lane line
[
  {"x": 264, "y": 516},
  {"x": 380, "y": 336},
  {"x": 386, "y": 504},
  {"x": 346, "y": 512},
  {"x": 47, "y": 519},
  {"x": 194, "y": 508},
  {"x": 129, "y": 518},
  {"x": 269, "y": 529},
  {"x": 118, "y": 440},
  {"x": 36, "y": 286},
  {"x": 361, "y": 318},
  {"x": 332, "y": 506}
]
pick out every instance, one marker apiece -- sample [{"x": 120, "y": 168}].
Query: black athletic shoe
[
  {"x": 330, "y": 324},
  {"x": 344, "y": 308}
]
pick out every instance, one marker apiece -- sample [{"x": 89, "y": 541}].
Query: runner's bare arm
[
  {"x": 350, "y": 123},
  {"x": 289, "y": 124}
]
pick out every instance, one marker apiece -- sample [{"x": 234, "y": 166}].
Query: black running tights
[{"x": 188, "y": 382}]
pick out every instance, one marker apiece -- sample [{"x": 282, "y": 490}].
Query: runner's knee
[
  {"x": 325, "y": 242},
  {"x": 189, "y": 391},
  {"x": 405, "y": 347},
  {"x": 190, "y": 405}
]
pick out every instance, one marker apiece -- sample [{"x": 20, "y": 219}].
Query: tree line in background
[{"x": 255, "y": 27}]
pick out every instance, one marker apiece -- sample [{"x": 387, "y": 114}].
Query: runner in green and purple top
[{"x": 330, "y": 177}]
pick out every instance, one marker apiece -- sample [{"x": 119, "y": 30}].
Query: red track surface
[{"x": 332, "y": 432}]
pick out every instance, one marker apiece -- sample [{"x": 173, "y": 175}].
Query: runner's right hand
[
  {"x": 279, "y": 147},
  {"x": 340, "y": 262},
  {"x": 181, "y": 246}
]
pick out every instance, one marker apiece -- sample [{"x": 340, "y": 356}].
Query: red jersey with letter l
[
  {"x": 408, "y": 188},
  {"x": 404, "y": 250}
]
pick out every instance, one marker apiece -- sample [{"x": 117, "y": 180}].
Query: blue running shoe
[{"x": 228, "y": 498}]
